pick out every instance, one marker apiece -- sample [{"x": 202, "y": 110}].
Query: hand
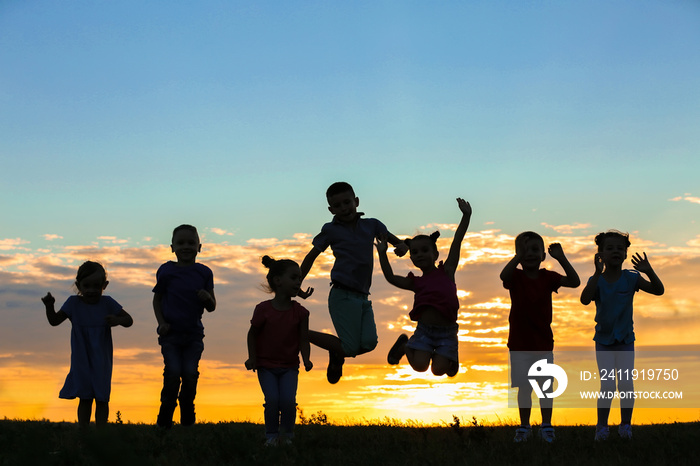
[
  {"x": 464, "y": 206},
  {"x": 48, "y": 300},
  {"x": 204, "y": 296},
  {"x": 641, "y": 264},
  {"x": 382, "y": 245},
  {"x": 305, "y": 294},
  {"x": 112, "y": 320},
  {"x": 556, "y": 251},
  {"x": 401, "y": 249},
  {"x": 599, "y": 265},
  {"x": 308, "y": 365},
  {"x": 163, "y": 329},
  {"x": 250, "y": 365}
]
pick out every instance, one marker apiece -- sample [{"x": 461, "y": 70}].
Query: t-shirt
[
  {"x": 179, "y": 286},
  {"x": 434, "y": 289},
  {"x": 353, "y": 248},
  {"x": 531, "y": 310},
  {"x": 613, "y": 309},
  {"x": 277, "y": 343}
]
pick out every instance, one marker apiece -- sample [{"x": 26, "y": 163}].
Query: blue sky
[
  {"x": 120, "y": 120},
  {"x": 125, "y": 118}
]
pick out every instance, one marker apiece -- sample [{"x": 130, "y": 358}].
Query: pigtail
[
  {"x": 601, "y": 237},
  {"x": 434, "y": 236}
]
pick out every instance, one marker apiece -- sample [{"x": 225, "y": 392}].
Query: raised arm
[
  {"x": 509, "y": 269},
  {"x": 305, "y": 268},
  {"x": 397, "y": 281},
  {"x": 400, "y": 248},
  {"x": 571, "y": 279},
  {"x": 588, "y": 293},
  {"x": 452, "y": 260},
  {"x": 653, "y": 285},
  {"x": 54, "y": 318}
]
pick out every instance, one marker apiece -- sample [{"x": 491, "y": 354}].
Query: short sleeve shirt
[
  {"x": 613, "y": 309},
  {"x": 434, "y": 289},
  {"x": 277, "y": 343},
  {"x": 353, "y": 248},
  {"x": 179, "y": 286},
  {"x": 531, "y": 310}
]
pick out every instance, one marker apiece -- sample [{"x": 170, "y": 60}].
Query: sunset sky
[{"x": 121, "y": 120}]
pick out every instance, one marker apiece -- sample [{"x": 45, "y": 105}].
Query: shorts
[
  {"x": 437, "y": 339},
  {"x": 353, "y": 319},
  {"x": 520, "y": 363}
]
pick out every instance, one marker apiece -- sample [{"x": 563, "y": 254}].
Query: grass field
[{"x": 317, "y": 443}]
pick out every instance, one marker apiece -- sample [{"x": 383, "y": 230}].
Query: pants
[{"x": 279, "y": 385}]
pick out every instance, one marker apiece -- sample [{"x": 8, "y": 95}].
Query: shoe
[
  {"x": 271, "y": 442},
  {"x": 335, "y": 367},
  {"x": 286, "y": 441},
  {"x": 547, "y": 434},
  {"x": 522, "y": 434},
  {"x": 601, "y": 433},
  {"x": 625, "y": 431},
  {"x": 398, "y": 350}
]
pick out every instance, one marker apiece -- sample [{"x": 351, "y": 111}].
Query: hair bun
[
  {"x": 434, "y": 236},
  {"x": 268, "y": 261}
]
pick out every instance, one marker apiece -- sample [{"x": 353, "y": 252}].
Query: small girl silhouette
[{"x": 92, "y": 316}]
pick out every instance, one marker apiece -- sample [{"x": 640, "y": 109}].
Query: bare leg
[
  {"x": 84, "y": 412},
  {"x": 524, "y": 405},
  {"x": 328, "y": 342},
  {"x": 101, "y": 413},
  {"x": 419, "y": 360}
]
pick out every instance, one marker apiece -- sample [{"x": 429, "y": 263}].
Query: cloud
[
  {"x": 51, "y": 237},
  {"x": 567, "y": 229},
  {"x": 26, "y": 274},
  {"x": 686, "y": 197},
  {"x": 220, "y": 232}
]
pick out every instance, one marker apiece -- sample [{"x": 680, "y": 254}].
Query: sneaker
[
  {"x": 286, "y": 441},
  {"x": 335, "y": 367},
  {"x": 271, "y": 442},
  {"x": 547, "y": 434},
  {"x": 522, "y": 433},
  {"x": 625, "y": 431},
  {"x": 398, "y": 350},
  {"x": 601, "y": 433}
]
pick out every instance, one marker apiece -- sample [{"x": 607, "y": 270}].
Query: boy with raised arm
[
  {"x": 531, "y": 338},
  {"x": 351, "y": 238}
]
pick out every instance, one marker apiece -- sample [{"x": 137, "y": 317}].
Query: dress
[
  {"x": 90, "y": 375},
  {"x": 531, "y": 310},
  {"x": 436, "y": 290}
]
